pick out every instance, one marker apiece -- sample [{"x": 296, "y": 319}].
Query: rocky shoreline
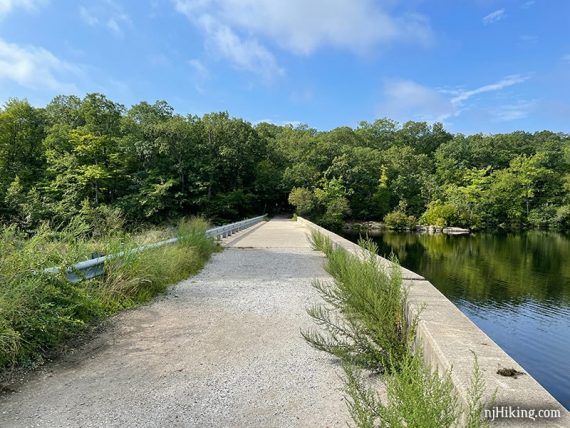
[{"x": 375, "y": 226}]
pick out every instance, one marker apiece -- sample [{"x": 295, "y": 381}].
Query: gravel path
[{"x": 221, "y": 349}]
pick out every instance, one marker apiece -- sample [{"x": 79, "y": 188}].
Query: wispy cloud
[
  {"x": 494, "y": 17},
  {"x": 201, "y": 74},
  {"x": 88, "y": 17},
  {"x": 244, "y": 53},
  {"x": 106, "y": 13},
  {"x": 299, "y": 27},
  {"x": 7, "y": 6},
  {"x": 464, "y": 95},
  {"x": 529, "y": 39},
  {"x": 37, "y": 68},
  {"x": 528, "y": 4},
  {"x": 508, "y": 112},
  {"x": 409, "y": 100},
  {"x": 566, "y": 57}
]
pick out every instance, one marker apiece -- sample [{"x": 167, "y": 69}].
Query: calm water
[{"x": 515, "y": 287}]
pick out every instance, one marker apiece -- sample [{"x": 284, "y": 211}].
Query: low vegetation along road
[{"x": 220, "y": 349}]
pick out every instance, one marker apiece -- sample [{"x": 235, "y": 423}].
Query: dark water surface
[{"x": 515, "y": 287}]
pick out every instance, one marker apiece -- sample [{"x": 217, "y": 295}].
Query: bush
[
  {"x": 399, "y": 220},
  {"x": 373, "y": 331},
  {"x": 102, "y": 219},
  {"x": 443, "y": 214}
]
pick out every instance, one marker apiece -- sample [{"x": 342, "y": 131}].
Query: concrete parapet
[
  {"x": 354, "y": 248},
  {"x": 450, "y": 341}
]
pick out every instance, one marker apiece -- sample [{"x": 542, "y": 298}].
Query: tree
[
  {"x": 303, "y": 200},
  {"x": 21, "y": 148},
  {"x": 332, "y": 196}
]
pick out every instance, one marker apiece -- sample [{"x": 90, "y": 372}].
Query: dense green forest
[{"x": 92, "y": 158}]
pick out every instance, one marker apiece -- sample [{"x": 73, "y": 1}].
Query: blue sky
[{"x": 476, "y": 65}]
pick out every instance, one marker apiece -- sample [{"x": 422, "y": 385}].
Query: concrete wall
[{"x": 449, "y": 340}]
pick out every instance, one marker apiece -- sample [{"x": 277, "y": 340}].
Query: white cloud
[
  {"x": 508, "y": 112},
  {"x": 494, "y": 17},
  {"x": 408, "y": 100},
  {"x": 302, "y": 27},
  {"x": 463, "y": 95},
  {"x": 244, "y": 53},
  {"x": 106, "y": 13},
  {"x": 566, "y": 57},
  {"x": 88, "y": 17},
  {"x": 200, "y": 74},
  {"x": 36, "y": 68},
  {"x": 528, "y": 4},
  {"x": 7, "y": 6},
  {"x": 299, "y": 26}
]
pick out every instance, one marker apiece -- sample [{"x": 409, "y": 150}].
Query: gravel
[{"x": 220, "y": 349}]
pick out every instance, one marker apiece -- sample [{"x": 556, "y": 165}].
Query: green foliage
[
  {"x": 364, "y": 320},
  {"x": 39, "y": 311},
  {"x": 303, "y": 200},
  {"x": 155, "y": 166},
  {"x": 399, "y": 220},
  {"x": 416, "y": 397},
  {"x": 363, "y": 323},
  {"x": 562, "y": 218},
  {"x": 382, "y": 197},
  {"x": 332, "y": 197},
  {"x": 542, "y": 217},
  {"x": 443, "y": 214},
  {"x": 476, "y": 402}
]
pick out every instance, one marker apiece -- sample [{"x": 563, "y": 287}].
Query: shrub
[
  {"x": 399, "y": 220},
  {"x": 443, "y": 214},
  {"x": 372, "y": 331}
]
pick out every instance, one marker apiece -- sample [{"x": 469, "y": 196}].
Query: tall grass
[
  {"x": 364, "y": 324},
  {"x": 39, "y": 311}
]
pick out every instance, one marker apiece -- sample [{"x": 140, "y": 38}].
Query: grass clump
[
  {"x": 39, "y": 311},
  {"x": 364, "y": 323}
]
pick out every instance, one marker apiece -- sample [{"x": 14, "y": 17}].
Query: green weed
[
  {"x": 39, "y": 311},
  {"x": 363, "y": 323}
]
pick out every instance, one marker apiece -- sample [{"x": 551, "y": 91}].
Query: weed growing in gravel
[
  {"x": 39, "y": 311},
  {"x": 363, "y": 321},
  {"x": 364, "y": 324}
]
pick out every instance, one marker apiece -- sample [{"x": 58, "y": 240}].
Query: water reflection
[{"x": 515, "y": 287}]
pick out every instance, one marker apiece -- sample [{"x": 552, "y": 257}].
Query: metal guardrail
[{"x": 95, "y": 267}]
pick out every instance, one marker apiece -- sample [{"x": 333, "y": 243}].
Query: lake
[{"x": 515, "y": 287}]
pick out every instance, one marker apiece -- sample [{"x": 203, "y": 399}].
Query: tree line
[{"x": 94, "y": 159}]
